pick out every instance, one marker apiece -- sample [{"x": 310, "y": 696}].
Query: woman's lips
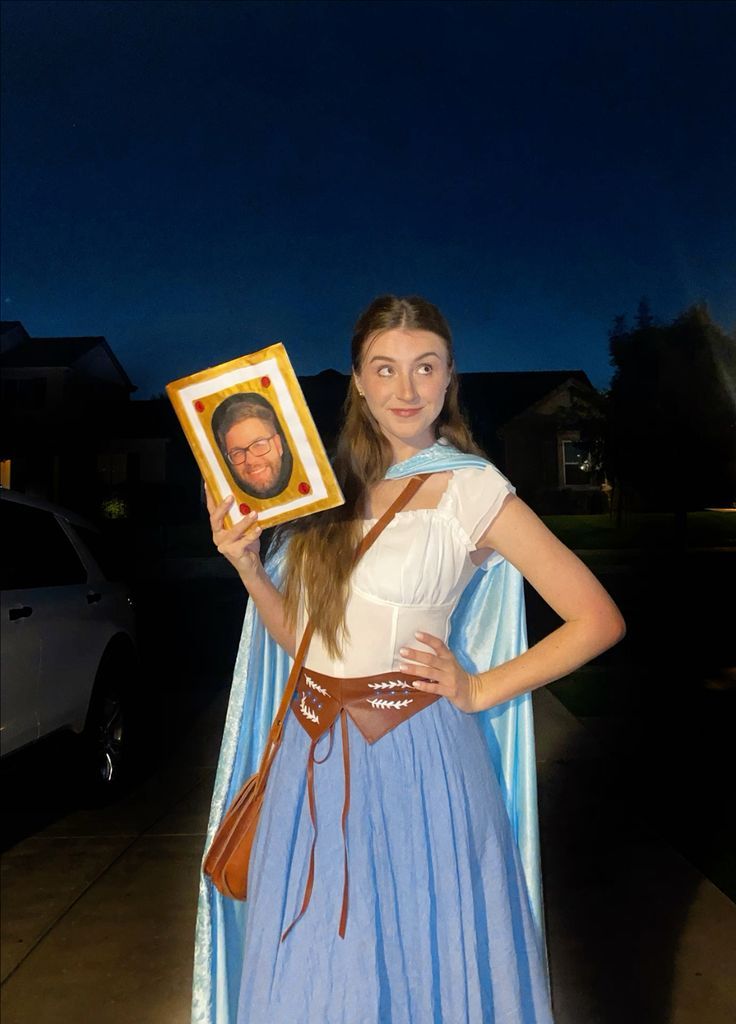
[{"x": 405, "y": 413}]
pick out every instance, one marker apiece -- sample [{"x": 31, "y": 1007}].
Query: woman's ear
[{"x": 358, "y": 388}]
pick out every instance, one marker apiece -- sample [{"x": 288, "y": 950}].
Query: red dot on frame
[
  {"x": 266, "y": 382},
  {"x": 245, "y": 509},
  {"x": 304, "y": 488},
  {"x": 199, "y": 406}
]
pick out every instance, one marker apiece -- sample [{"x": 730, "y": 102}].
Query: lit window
[{"x": 578, "y": 464}]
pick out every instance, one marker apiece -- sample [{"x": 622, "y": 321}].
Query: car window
[
  {"x": 102, "y": 551},
  {"x": 36, "y": 551}
]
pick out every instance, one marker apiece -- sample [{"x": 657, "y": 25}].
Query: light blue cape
[{"x": 488, "y": 628}]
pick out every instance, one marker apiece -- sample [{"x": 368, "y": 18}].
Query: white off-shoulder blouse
[{"x": 412, "y": 577}]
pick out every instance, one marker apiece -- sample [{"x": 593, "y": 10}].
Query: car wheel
[{"x": 106, "y": 740}]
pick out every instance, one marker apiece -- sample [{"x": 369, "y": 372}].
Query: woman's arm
[
  {"x": 592, "y": 622},
  {"x": 241, "y": 546}
]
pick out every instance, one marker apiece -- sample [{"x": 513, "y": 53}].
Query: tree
[
  {"x": 671, "y": 434},
  {"x": 644, "y": 316}
]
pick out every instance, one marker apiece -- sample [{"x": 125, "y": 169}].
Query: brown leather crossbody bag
[{"x": 227, "y": 860}]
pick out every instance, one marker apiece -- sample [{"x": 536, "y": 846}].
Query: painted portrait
[
  {"x": 253, "y": 436},
  {"x": 252, "y": 441}
]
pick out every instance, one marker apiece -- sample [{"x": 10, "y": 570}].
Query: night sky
[{"x": 197, "y": 180}]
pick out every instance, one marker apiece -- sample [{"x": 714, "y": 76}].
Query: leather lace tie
[{"x": 376, "y": 704}]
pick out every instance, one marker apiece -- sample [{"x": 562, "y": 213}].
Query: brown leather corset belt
[{"x": 376, "y": 704}]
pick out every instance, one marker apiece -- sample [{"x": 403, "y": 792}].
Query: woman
[{"x": 438, "y": 915}]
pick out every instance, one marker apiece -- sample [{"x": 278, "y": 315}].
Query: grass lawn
[
  {"x": 598, "y": 691},
  {"x": 644, "y": 530}
]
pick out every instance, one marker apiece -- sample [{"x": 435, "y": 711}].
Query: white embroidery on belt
[
  {"x": 307, "y": 712},
  {"x": 378, "y": 702},
  {"x": 316, "y": 686},
  {"x": 390, "y": 685}
]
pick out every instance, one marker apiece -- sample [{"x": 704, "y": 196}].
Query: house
[
  {"x": 543, "y": 429},
  {"x": 58, "y": 395},
  {"x": 45, "y": 375}
]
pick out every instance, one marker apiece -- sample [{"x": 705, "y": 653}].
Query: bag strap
[
  {"x": 403, "y": 499},
  {"x": 274, "y": 736}
]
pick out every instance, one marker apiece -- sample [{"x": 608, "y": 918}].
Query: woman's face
[{"x": 404, "y": 375}]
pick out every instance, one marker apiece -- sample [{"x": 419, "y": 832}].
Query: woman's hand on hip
[
  {"x": 445, "y": 676},
  {"x": 240, "y": 544}
]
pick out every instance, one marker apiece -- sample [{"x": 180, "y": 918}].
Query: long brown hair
[{"x": 321, "y": 549}]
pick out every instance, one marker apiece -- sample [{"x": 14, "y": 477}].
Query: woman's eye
[
  {"x": 385, "y": 371},
  {"x": 425, "y": 368}
]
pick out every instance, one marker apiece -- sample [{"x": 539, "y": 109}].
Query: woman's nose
[{"x": 405, "y": 387}]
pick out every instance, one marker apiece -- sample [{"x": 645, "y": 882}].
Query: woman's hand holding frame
[{"x": 240, "y": 544}]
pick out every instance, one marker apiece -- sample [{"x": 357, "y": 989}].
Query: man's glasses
[{"x": 237, "y": 456}]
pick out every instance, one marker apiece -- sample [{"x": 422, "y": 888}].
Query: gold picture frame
[{"x": 228, "y": 409}]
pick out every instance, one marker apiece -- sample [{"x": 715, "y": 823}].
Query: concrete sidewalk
[{"x": 98, "y": 908}]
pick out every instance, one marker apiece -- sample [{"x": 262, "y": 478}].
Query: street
[
  {"x": 98, "y": 902},
  {"x": 99, "y": 905}
]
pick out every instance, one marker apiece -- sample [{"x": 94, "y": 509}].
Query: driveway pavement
[{"x": 98, "y": 906}]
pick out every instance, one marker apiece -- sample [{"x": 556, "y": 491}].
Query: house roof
[
  {"x": 6, "y": 326},
  {"x": 505, "y": 394},
  {"x": 61, "y": 352},
  {"x": 12, "y": 332},
  {"x": 49, "y": 351}
]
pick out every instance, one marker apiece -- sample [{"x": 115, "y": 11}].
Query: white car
[{"x": 68, "y": 653}]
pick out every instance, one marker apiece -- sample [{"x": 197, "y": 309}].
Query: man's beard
[{"x": 269, "y": 490}]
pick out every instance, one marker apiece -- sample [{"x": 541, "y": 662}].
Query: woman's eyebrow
[{"x": 390, "y": 359}]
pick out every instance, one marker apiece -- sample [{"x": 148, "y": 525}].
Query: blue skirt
[{"x": 439, "y": 927}]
